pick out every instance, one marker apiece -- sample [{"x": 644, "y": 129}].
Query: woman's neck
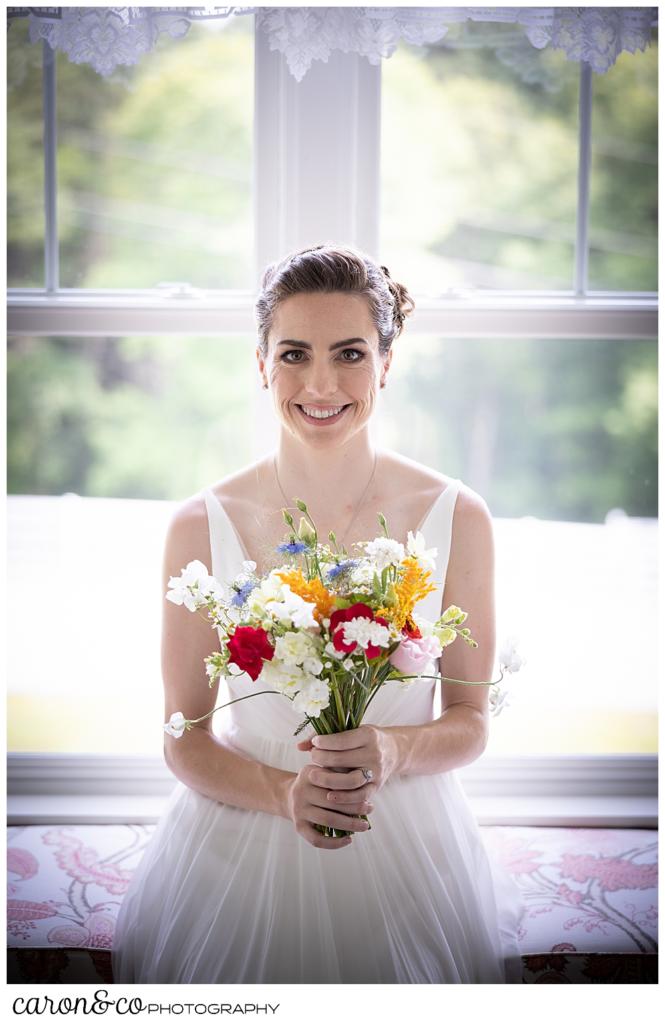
[{"x": 327, "y": 477}]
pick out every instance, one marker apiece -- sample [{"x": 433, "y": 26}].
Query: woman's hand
[
  {"x": 308, "y": 804},
  {"x": 368, "y": 747}
]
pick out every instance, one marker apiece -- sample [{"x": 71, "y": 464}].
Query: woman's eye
[{"x": 349, "y": 355}]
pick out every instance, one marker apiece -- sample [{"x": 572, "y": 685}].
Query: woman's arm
[
  {"x": 460, "y": 734},
  {"x": 198, "y": 758}
]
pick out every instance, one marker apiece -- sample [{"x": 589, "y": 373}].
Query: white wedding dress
[{"x": 229, "y": 895}]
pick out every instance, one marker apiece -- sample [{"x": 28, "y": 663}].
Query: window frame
[{"x": 304, "y": 192}]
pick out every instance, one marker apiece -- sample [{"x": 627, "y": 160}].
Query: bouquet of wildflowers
[{"x": 324, "y": 629}]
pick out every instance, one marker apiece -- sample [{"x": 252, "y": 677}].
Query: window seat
[{"x": 591, "y": 900}]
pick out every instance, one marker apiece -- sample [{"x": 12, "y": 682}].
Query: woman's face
[{"x": 323, "y": 356}]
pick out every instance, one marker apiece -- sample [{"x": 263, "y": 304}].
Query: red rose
[
  {"x": 355, "y": 611},
  {"x": 249, "y": 648}
]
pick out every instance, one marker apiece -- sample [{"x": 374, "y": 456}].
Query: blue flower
[
  {"x": 341, "y": 567},
  {"x": 294, "y": 548},
  {"x": 241, "y": 595}
]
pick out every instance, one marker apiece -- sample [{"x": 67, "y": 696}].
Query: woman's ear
[
  {"x": 386, "y": 364},
  {"x": 262, "y": 367}
]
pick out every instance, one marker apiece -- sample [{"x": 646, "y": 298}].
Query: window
[
  {"x": 480, "y": 159},
  {"x": 105, "y": 435},
  {"x": 529, "y": 369},
  {"x": 153, "y": 165}
]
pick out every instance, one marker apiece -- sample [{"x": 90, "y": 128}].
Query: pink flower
[
  {"x": 95, "y": 931},
  {"x": 413, "y": 655},
  {"x": 613, "y": 873}
]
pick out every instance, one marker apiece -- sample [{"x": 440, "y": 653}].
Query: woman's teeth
[{"x": 321, "y": 414}]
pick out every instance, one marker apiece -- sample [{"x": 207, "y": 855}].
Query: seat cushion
[{"x": 590, "y": 894}]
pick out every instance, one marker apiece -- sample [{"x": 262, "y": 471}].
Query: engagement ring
[{"x": 368, "y": 773}]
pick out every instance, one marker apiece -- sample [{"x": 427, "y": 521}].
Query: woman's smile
[{"x": 322, "y": 415}]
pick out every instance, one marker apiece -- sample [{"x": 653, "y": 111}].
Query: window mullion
[
  {"x": 316, "y": 155},
  {"x": 51, "y": 249},
  {"x": 581, "y": 283}
]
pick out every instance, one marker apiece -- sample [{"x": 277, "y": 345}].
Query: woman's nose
[{"x": 320, "y": 381}]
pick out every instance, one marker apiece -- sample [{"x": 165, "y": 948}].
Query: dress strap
[
  {"x": 438, "y": 530},
  {"x": 219, "y": 532}
]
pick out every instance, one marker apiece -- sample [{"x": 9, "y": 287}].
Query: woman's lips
[{"x": 322, "y": 421}]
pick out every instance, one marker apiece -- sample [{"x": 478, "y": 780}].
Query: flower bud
[
  {"x": 305, "y": 532},
  {"x": 332, "y": 538},
  {"x": 300, "y": 504},
  {"x": 288, "y": 518}
]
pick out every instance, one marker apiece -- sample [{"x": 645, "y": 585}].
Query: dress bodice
[{"x": 395, "y": 704}]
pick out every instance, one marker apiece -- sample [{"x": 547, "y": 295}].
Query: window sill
[
  {"x": 554, "y": 811},
  {"x": 594, "y": 791}
]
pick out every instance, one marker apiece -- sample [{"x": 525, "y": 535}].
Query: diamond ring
[{"x": 368, "y": 773}]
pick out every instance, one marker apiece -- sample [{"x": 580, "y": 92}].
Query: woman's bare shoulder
[
  {"x": 413, "y": 477},
  {"x": 188, "y": 526},
  {"x": 472, "y": 514}
]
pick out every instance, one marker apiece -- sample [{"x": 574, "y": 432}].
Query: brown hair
[{"x": 330, "y": 268}]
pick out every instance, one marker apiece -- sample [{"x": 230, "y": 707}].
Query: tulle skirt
[{"x": 229, "y": 895}]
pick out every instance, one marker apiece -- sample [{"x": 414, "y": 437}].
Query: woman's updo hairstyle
[{"x": 328, "y": 268}]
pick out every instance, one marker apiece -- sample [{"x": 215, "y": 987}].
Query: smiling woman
[{"x": 418, "y": 903}]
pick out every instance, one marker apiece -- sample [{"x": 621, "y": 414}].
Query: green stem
[
  {"x": 193, "y": 721},
  {"x": 446, "y": 679}
]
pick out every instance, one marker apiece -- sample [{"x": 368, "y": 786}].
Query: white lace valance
[{"x": 105, "y": 37}]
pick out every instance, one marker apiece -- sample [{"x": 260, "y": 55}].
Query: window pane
[
  {"x": 479, "y": 162},
  {"x": 624, "y": 175},
  {"x": 96, "y": 564},
  {"x": 560, "y": 437},
  {"x": 25, "y": 160},
  {"x": 127, "y": 417},
  {"x": 559, "y": 429},
  {"x": 154, "y": 164},
  {"x": 123, "y": 420}
]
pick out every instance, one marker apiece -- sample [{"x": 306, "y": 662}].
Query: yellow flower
[
  {"x": 310, "y": 590},
  {"x": 409, "y": 589}
]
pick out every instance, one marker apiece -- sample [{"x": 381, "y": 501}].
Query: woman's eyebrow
[{"x": 336, "y": 344}]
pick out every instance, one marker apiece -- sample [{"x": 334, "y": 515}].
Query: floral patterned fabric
[{"x": 591, "y": 898}]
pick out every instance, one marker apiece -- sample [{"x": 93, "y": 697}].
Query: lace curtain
[{"x": 105, "y": 37}]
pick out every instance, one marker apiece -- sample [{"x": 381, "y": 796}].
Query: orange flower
[
  {"x": 310, "y": 590},
  {"x": 410, "y": 588}
]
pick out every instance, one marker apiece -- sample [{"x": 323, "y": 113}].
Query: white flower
[
  {"x": 210, "y": 587},
  {"x": 293, "y": 648},
  {"x": 175, "y": 725},
  {"x": 384, "y": 551},
  {"x": 498, "y": 700},
  {"x": 313, "y": 698},
  {"x": 332, "y": 651},
  {"x": 283, "y": 678},
  {"x": 365, "y": 632},
  {"x": 312, "y": 665},
  {"x": 348, "y": 664},
  {"x": 188, "y": 587},
  {"x": 361, "y": 577},
  {"x": 415, "y": 546},
  {"x": 248, "y": 566},
  {"x": 293, "y": 609},
  {"x": 509, "y": 658}
]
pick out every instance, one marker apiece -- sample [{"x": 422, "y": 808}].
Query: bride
[{"x": 237, "y": 885}]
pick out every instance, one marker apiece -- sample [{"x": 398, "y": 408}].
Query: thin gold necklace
[{"x": 357, "y": 508}]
